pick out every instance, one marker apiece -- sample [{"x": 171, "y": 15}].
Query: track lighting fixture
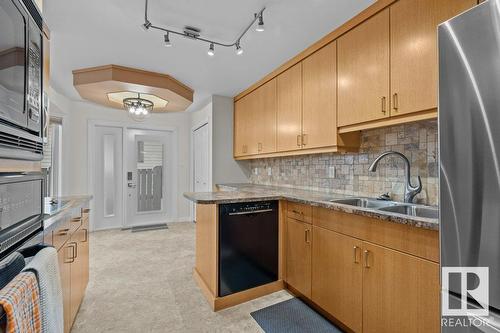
[
  {"x": 167, "y": 40},
  {"x": 146, "y": 25},
  {"x": 239, "y": 50},
  {"x": 211, "y": 50},
  {"x": 194, "y": 33},
  {"x": 260, "y": 25}
]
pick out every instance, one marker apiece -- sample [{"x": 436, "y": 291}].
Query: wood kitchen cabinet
[
  {"x": 242, "y": 130},
  {"x": 337, "y": 276},
  {"x": 298, "y": 256},
  {"x": 369, "y": 275},
  {"x": 289, "y": 117},
  {"x": 319, "y": 76},
  {"x": 64, "y": 256},
  {"x": 363, "y": 71},
  {"x": 264, "y": 119},
  {"x": 71, "y": 240},
  {"x": 255, "y": 121},
  {"x": 414, "y": 54},
  {"x": 400, "y": 292}
]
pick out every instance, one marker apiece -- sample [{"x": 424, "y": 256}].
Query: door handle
[
  {"x": 251, "y": 212},
  {"x": 85, "y": 240},
  {"x": 384, "y": 105},
  {"x": 132, "y": 185},
  {"x": 299, "y": 140},
  {"x": 304, "y": 139},
  {"x": 259, "y": 146}
]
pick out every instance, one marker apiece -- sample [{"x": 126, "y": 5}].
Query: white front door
[
  {"x": 108, "y": 185},
  {"x": 149, "y": 177}
]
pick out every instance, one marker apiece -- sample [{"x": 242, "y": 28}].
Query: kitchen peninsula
[{"x": 337, "y": 255}]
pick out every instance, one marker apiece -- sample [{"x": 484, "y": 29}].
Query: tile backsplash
[{"x": 348, "y": 173}]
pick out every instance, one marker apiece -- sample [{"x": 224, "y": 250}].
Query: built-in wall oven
[
  {"x": 21, "y": 209},
  {"x": 21, "y": 62}
]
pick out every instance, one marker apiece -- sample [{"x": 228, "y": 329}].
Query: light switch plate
[{"x": 331, "y": 171}]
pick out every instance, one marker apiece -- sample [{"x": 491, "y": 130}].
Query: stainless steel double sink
[{"x": 391, "y": 206}]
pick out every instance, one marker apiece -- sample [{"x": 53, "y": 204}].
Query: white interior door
[
  {"x": 149, "y": 177},
  {"x": 201, "y": 161},
  {"x": 108, "y": 150}
]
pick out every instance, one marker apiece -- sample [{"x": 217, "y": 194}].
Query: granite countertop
[
  {"x": 61, "y": 207},
  {"x": 230, "y": 193}
]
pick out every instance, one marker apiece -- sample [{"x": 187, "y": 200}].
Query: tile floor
[{"x": 142, "y": 282}]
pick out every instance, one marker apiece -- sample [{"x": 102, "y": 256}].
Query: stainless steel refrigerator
[{"x": 469, "y": 148}]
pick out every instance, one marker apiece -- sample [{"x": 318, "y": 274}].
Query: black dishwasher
[{"x": 248, "y": 245}]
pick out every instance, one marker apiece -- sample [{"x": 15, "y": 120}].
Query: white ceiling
[{"x": 89, "y": 33}]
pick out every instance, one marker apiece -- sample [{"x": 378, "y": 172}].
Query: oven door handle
[{"x": 252, "y": 212}]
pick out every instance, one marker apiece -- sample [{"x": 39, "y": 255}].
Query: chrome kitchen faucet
[{"x": 410, "y": 190}]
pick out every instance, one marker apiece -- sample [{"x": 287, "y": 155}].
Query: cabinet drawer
[
  {"x": 61, "y": 234},
  {"x": 299, "y": 212}
]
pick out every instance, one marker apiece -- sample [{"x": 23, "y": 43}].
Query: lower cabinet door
[
  {"x": 400, "y": 292},
  {"x": 76, "y": 275},
  {"x": 84, "y": 253},
  {"x": 337, "y": 276},
  {"x": 298, "y": 256},
  {"x": 64, "y": 259}
]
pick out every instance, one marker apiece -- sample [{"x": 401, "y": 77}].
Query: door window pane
[
  {"x": 149, "y": 176},
  {"x": 109, "y": 174}
]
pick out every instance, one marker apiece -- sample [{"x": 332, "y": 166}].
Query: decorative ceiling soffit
[{"x": 113, "y": 85}]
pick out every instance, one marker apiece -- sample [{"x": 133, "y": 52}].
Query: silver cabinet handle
[
  {"x": 304, "y": 139},
  {"x": 395, "y": 101},
  {"x": 356, "y": 255},
  {"x": 259, "y": 146},
  {"x": 367, "y": 264},
  {"x": 299, "y": 140},
  {"x": 251, "y": 212},
  {"x": 306, "y": 235},
  {"x": 384, "y": 106}
]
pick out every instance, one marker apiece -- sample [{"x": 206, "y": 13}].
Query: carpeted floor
[{"x": 142, "y": 282}]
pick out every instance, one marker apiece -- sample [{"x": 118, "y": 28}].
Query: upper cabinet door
[
  {"x": 289, "y": 125},
  {"x": 319, "y": 79},
  {"x": 363, "y": 71},
  {"x": 414, "y": 59},
  {"x": 241, "y": 126},
  {"x": 263, "y": 119}
]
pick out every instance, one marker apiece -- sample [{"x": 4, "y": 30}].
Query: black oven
[
  {"x": 21, "y": 209},
  {"x": 21, "y": 63}
]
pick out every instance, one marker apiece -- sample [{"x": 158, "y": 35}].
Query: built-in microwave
[{"x": 21, "y": 62}]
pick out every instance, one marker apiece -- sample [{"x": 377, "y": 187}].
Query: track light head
[
  {"x": 146, "y": 25},
  {"x": 260, "y": 24},
  {"x": 211, "y": 50},
  {"x": 239, "y": 50},
  {"x": 167, "y": 40}
]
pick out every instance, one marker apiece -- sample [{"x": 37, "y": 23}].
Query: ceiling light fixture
[
  {"x": 211, "y": 50},
  {"x": 167, "y": 40},
  {"x": 138, "y": 108},
  {"x": 194, "y": 33},
  {"x": 260, "y": 25}
]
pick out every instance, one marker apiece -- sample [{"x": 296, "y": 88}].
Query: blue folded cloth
[{"x": 10, "y": 267}]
